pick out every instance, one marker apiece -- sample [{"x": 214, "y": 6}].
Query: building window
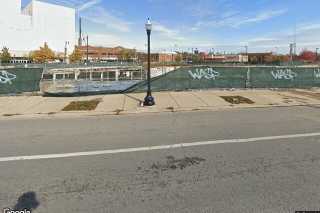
[
  {"x": 47, "y": 77},
  {"x": 59, "y": 76},
  {"x": 70, "y": 76},
  {"x": 84, "y": 75},
  {"x": 112, "y": 76},
  {"x": 96, "y": 76}
]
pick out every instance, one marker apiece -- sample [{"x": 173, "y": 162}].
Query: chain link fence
[
  {"x": 206, "y": 77},
  {"x": 49, "y": 66},
  {"x": 18, "y": 80}
]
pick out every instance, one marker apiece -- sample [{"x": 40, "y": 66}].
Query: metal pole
[
  {"x": 87, "y": 49},
  {"x": 80, "y": 33},
  {"x": 149, "y": 69},
  {"x": 290, "y": 52},
  {"x": 65, "y": 52},
  {"x": 149, "y": 100}
]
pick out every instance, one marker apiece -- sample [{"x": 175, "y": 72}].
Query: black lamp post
[{"x": 149, "y": 100}]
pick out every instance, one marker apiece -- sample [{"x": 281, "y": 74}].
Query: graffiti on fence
[
  {"x": 317, "y": 73},
  {"x": 6, "y": 77},
  {"x": 207, "y": 73},
  {"x": 286, "y": 74}
]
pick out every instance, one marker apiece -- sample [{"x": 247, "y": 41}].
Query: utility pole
[
  {"x": 246, "y": 49},
  {"x": 80, "y": 33},
  {"x": 86, "y": 39},
  {"x": 135, "y": 55},
  {"x": 87, "y": 49},
  {"x": 66, "y": 51},
  {"x": 291, "y": 52}
]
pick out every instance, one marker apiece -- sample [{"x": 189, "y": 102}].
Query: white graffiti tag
[
  {"x": 6, "y": 77},
  {"x": 286, "y": 74},
  {"x": 207, "y": 73},
  {"x": 317, "y": 73}
]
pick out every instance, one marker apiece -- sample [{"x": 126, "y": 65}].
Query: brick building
[
  {"x": 158, "y": 57},
  {"x": 105, "y": 53},
  {"x": 259, "y": 58},
  {"x": 231, "y": 58}
]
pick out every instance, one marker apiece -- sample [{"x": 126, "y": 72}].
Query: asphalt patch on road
[
  {"x": 173, "y": 164},
  {"x": 158, "y": 175}
]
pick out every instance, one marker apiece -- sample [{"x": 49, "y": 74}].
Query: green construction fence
[
  {"x": 19, "y": 80},
  {"x": 206, "y": 77}
]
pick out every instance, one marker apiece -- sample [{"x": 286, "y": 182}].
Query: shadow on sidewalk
[{"x": 134, "y": 98}]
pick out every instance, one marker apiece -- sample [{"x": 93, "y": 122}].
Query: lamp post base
[{"x": 148, "y": 101}]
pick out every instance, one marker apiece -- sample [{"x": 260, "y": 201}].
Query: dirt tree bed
[
  {"x": 82, "y": 105},
  {"x": 237, "y": 100}
]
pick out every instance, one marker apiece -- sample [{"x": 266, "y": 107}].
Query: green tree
[
  {"x": 5, "y": 55},
  {"x": 127, "y": 54},
  {"x": 196, "y": 58},
  {"x": 178, "y": 58},
  {"x": 76, "y": 55},
  {"x": 253, "y": 60},
  {"x": 44, "y": 54}
]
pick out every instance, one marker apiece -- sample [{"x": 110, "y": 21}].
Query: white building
[{"x": 24, "y": 30}]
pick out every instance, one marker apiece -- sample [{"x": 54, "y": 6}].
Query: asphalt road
[{"x": 271, "y": 175}]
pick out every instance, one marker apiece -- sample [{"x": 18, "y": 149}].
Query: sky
[{"x": 208, "y": 25}]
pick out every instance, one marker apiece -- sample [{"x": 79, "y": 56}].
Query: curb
[{"x": 144, "y": 112}]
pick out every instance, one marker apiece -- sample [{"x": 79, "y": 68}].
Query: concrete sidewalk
[{"x": 165, "y": 102}]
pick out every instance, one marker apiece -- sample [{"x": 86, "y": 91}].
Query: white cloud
[
  {"x": 167, "y": 32},
  {"x": 261, "y": 17},
  {"x": 88, "y": 5},
  {"x": 92, "y": 11},
  {"x": 308, "y": 27},
  {"x": 307, "y": 36},
  {"x": 69, "y": 3},
  {"x": 101, "y": 16},
  {"x": 110, "y": 40},
  {"x": 235, "y": 20}
]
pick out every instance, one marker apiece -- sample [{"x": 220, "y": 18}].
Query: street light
[
  {"x": 86, "y": 39},
  {"x": 66, "y": 51},
  {"x": 149, "y": 100},
  {"x": 246, "y": 49}
]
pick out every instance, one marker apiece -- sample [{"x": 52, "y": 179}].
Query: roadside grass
[
  {"x": 237, "y": 100},
  {"x": 82, "y": 105}
]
